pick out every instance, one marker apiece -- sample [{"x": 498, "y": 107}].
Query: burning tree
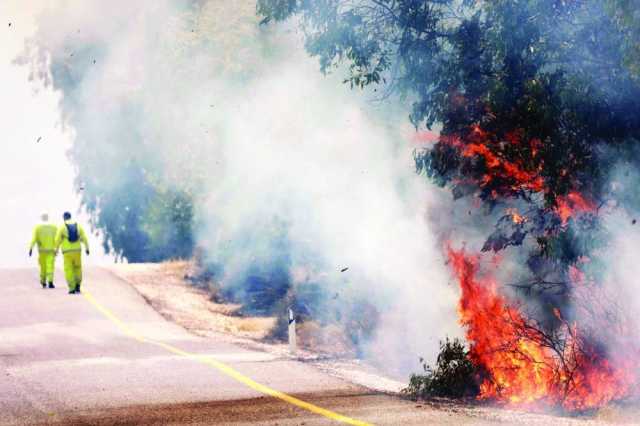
[{"x": 537, "y": 104}]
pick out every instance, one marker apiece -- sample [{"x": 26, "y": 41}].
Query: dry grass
[
  {"x": 329, "y": 339},
  {"x": 166, "y": 289}
]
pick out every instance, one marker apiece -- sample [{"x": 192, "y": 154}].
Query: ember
[
  {"x": 516, "y": 217},
  {"x": 571, "y": 204}
]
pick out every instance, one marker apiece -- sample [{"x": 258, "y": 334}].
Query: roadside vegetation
[{"x": 452, "y": 376}]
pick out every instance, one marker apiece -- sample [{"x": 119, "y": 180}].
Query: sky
[{"x": 37, "y": 176}]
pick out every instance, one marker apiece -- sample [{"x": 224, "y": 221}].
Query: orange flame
[
  {"x": 518, "y": 368},
  {"x": 516, "y": 217},
  {"x": 572, "y": 203},
  {"x": 514, "y": 176},
  {"x": 521, "y": 367},
  {"x": 478, "y": 143},
  {"x": 425, "y": 137}
]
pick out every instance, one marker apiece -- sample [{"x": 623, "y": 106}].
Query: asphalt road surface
[
  {"x": 106, "y": 357},
  {"x": 67, "y": 359}
]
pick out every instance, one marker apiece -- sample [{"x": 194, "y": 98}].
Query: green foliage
[
  {"x": 140, "y": 220},
  {"x": 168, "y": 224},
  {"x": 138, "y": 172},
  {"x": 549, "y": 70},
  {"x": 453, "y": 376},
  {"x": 626, "y": 16},
  {"x": 536, "y": 99}
]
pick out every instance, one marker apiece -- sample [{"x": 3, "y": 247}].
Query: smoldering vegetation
[
  {"x": 199, "y": 132},
  {"x": 536, "y": 109}
]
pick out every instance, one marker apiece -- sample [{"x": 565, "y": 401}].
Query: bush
[{"x": 454, "y": 375}]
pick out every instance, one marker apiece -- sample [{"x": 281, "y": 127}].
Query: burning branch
[{"x": 527, "y": 361}]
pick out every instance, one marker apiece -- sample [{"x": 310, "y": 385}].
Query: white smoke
[
  {"x": 37, "y": 175},
  {"x": 200, "y": 92},
  {"x": 617, "y": 263}
]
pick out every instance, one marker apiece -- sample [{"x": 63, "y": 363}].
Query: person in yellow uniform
[
  {"x": 71, "y": 237},
  {"x": 44, "y": 236}
]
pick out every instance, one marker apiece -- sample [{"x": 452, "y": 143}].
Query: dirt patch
[{"x": 166, "y": 288}]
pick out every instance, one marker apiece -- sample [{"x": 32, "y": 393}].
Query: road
[
  {"x": 106, "y": 357},
  {"x": 63, "y": 360}
]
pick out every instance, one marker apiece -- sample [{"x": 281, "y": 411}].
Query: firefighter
[
  {"x": 44, "y": 236},
  {"x": 71, "y": 237}
]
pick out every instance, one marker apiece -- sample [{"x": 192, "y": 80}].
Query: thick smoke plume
[{"x": 194, "y": 126}]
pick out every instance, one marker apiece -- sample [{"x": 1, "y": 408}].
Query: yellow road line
[{"x": 222, "y": 367}]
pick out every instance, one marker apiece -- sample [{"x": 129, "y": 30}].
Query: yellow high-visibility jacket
[
  {"x": 44, "y": 235},
  {"x": 62, "y": 239}
]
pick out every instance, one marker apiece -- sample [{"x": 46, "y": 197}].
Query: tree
[
  {"x": 536, "y": 100},
  {"x": 139, "y": 174},
  {"x": 626, "y": 16},
  {"x": 537, "y": 103}
]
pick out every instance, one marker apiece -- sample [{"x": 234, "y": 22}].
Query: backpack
[{"x": 72, "y": 230}]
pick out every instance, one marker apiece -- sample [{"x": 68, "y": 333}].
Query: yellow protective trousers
[
  {"x": 73, "y": 268},
  {"x": 47, "y": 264}
]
